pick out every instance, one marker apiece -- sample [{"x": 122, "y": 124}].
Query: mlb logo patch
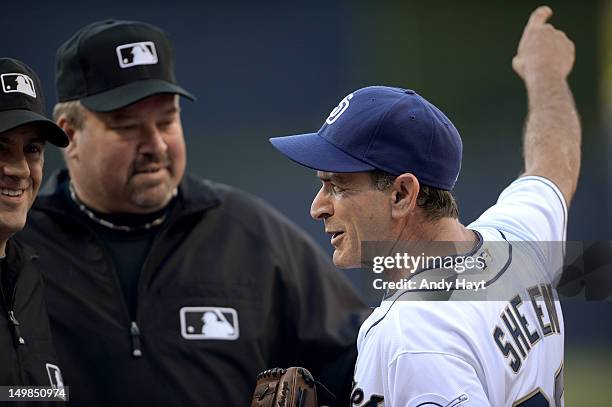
[
  {"x": 18, "y": 82},
  {"x": 204, "y": 323},
  {"x": 137, "y": 53}
]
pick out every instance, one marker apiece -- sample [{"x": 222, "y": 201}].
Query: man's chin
[
  {"x": 8, "y": 227},
  {"x": 344, "y": 263},
  {"x": 152, "y": 199}
]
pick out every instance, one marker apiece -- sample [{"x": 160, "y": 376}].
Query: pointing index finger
[{"x": 540, "y": 16}]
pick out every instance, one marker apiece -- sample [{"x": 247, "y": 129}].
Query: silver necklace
[{"x": 110, "y": 225}]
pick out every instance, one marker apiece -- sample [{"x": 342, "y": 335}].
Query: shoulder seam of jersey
[
  {"x": 383, "y": 317},
  {"x": 556, "y": 191}
]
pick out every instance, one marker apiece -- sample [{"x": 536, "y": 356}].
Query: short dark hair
[{"x": 436, "y": 203}]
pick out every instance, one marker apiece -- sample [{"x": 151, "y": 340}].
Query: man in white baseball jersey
[{"x": 388, "y": 159}]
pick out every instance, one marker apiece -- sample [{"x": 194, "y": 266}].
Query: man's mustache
[
  {"x": 9, "y": 182},
  {"x": 147, "y": 161}
]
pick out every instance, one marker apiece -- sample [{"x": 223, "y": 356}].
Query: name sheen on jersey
[{"x": 521, "y": 337}]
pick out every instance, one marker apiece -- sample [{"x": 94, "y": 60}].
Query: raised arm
[{"x": 552, "y": 138}]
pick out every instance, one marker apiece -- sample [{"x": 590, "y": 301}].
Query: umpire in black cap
[
  {"x": 27, "y": 355},
  {"x": 180, "y": 290}
]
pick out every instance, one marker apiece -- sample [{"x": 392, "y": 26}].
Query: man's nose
[
  {"x": 153, "y": 141},
  {"x": 16, "y": 167},
  {"x": 321, "y": 207}
]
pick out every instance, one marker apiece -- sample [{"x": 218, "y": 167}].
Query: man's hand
[
  {"x": 544, "y": 59},
  {"x": 543, "y": 50}
]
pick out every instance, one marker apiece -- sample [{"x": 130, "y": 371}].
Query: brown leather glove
[{"x": 292, "y": 387}]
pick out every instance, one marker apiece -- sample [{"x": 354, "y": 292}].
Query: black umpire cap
[
  {"x": 22, "y": 102},
  {"x": 110, "y": 64}
]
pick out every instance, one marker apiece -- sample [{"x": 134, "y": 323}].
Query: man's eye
[
  {"x": 124, "y": 128},
  {"x": 164, "y": 124},
  {"x": 33, "y": 149},
  {"x": 336, "y": 189}
]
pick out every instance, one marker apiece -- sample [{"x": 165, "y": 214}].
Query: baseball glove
[{"x": 292, "y": 387}]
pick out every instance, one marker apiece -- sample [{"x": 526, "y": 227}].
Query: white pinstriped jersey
[{"x": 505, "y": 351}]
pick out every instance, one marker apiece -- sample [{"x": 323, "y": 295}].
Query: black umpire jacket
[
  {"x": 275, "y": 295},
  {"x": 27, "y": 355}
]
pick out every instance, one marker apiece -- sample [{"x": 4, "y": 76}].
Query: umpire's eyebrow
[
  {"x": 119, "y": 115},
  {"x": 34, "y": 139}
]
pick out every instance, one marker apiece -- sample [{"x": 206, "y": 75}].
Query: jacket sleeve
[{"x": 324, "y": 311}]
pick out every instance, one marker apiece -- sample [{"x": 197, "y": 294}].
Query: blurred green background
[{"x": 263, "y": 69}]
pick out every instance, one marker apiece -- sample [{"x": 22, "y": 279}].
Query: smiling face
[
  {"x": 129, "y": 160},
  {"x": 354, "y": 211},
  {"x": 21, "y": 165}
]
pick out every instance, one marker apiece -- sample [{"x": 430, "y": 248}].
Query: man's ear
[
  {"x": 404, "y": 195},
  {"x": 73, "y": 135}
]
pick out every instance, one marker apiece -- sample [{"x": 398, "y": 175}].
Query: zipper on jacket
[
  {"x": 16, "y": 331},
  {"x": 135, "y": 335},
  {"x": 144, "y": 271},
  {"x": 133, "y": 328}
]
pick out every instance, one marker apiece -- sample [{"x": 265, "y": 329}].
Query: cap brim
[
  {"x": 313, "y": 151},
  {"x": 11, "y": 119},
  {"x": 131, "y": 93}
]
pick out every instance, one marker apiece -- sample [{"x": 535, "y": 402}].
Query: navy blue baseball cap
[{"x": 382, "y": 128}]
